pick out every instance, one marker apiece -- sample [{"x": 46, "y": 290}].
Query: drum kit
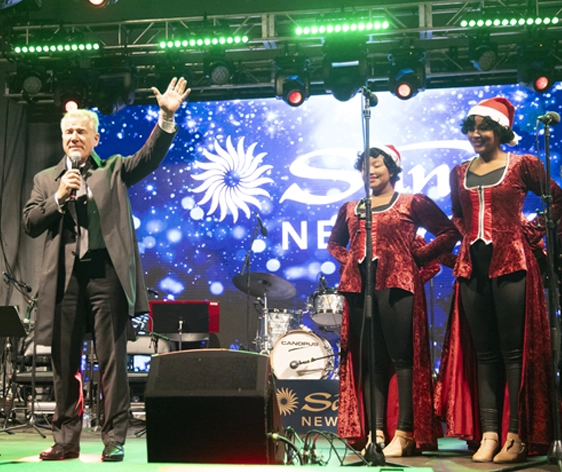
[{"x": 295, "y": 350}]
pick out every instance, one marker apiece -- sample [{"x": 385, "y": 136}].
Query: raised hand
[{"x": 172, "y": 98}]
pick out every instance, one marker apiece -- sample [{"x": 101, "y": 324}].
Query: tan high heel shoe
[
  {"x": 489, "y": 447},
  {"x": 403, "y": 444},
  {"x": 513, "y": 450}
]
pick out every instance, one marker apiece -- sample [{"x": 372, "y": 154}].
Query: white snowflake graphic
[{"x": 232, "y": 179}]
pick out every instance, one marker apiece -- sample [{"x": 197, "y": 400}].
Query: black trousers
[
  {"x": 94, "y": 302},
  {"x": 393, "y": 336},
  {"x": 495, "y": 311}
]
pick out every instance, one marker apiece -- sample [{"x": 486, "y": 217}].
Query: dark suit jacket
[{"x": 108, "y": 181}]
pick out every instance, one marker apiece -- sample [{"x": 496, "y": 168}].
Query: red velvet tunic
[
  {"x": 494, "y": 215},
  {"x": 398, "y": 256}
]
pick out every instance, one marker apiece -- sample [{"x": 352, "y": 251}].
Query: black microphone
[
  {"x": 263, "y": 229},
  {"x": 152, "y": 292},
  {"x": 550, "y": 118},
  {"x": 373, "y": 100},
  {"x": 17, "y": 282},
  {"x": 76, "y": 159},
  {"x": 294, "y": 364}
]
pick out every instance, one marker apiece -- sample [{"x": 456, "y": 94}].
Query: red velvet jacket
[
  {"x": 394, "y": 231},
  {"x": 493, "y": 214},
  {"x": 397, "y": 249}
]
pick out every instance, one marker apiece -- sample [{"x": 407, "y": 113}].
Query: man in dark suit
[{"x": 91, "y": 277}]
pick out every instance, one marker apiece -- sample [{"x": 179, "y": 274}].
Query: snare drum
[
  {"x": 301, "y": 354},
  {"x": 280, "y": 322},
  {"x": 327, "y": 308}
]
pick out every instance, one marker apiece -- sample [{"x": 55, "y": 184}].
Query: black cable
[{"x": 278, "y": 437}]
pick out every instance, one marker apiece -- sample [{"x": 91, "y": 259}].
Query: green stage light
[
  {"x": 55, "y": 48},
  {"x": 503, "y": 22},
  {"x": 208, "y": 41},
  {"x": 362, "y": 27}
]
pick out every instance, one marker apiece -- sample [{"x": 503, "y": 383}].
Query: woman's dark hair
[
  {"x": 392, "y": 167},
  {"x": 505, "y": 134}
]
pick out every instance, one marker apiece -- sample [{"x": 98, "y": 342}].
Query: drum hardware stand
[
  {"x": 154, "y": 338},
  {"x": 246, "y": 271},
  {"x": 31, "y": 418}
]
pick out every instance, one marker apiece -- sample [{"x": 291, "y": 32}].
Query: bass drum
[{"x": 301, "y": 354}]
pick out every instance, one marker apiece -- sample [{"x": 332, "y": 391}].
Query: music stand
[
  {"x": 181, "y": 321},
  {"x": 12, "y": 326}
]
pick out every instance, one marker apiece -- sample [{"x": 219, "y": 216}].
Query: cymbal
[{"x": 262, "y": 283}]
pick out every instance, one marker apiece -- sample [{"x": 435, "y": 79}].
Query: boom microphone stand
[
  {"x": 554, "y": 455},
  {"x": 373, "y": 454},
  {"x": 555, "y": 452}
]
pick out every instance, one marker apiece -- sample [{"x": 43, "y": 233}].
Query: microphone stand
[
  {"x": 554, "y": 455},
  {"x": 555, "y": 452},
  {"x": 373, "y": 454}
]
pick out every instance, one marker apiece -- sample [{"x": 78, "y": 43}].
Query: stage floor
[{"x": 19, "y": 452}]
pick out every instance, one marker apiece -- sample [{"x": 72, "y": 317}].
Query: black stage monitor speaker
[{"x": 212, "y": 406}]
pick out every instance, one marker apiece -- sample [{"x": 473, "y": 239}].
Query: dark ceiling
[{"x": 130, "y": 32}]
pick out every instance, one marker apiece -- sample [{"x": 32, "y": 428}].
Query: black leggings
[
  {"x": 495, "y": 310},
  {"x": 392, "y": 317}
]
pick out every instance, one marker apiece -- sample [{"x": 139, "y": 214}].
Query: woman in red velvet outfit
[
  {"x": 497, "y": 349},
  {"x": 399, "y": 312}
]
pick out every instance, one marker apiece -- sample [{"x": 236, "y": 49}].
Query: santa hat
[
  {"x": 500, "y": 110},
  {"x": 391, "y": 151}
]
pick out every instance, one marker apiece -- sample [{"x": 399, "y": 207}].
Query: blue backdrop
[{"x": 196, "y": 215}]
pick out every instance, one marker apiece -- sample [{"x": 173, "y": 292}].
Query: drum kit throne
[{"x": 295, "y": 350}]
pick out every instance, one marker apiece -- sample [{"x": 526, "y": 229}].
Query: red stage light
[
  {"x": 71, "y": 105},
  {"x": 404, "y": 91},
  {"x": 542, "y": 83},
  {"x": 295, "y": 98}
]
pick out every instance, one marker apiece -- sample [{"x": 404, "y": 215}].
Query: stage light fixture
[
  {"x": 483, "y": 54},
  {"x": 71, "y": 93},
  {"x": 50, "y": 49},
  {"x": 345, "y": 69},
  {"x": 203, "y": 42},
  {"x": 505, "y": 21},
  {"x": 219, "y": 70},
  {"x": 101, "y": 3},
  {"x": 534, "y": 68},
  {"x": 115, "y": 91},
  {"x": 292, "y": 82},
  {"x": 29, "y": 80},
  {"x": 407, "y": 74},
  {"x": 323, "y": 28}
]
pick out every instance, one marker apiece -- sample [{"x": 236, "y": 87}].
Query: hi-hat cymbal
[{"x": 261, "y": 284}]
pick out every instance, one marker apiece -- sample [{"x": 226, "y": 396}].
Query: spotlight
[
  {"x": 345, "y": 69},
  {"x": 483, "y": 54},
  {"x": 115, "y": 91},
  {"x": 292, "y": 82},
  {"x": 219, "y": 70},
  {"x": 101, "y": 3},
  {"x": 407, "y": 74},
  {"x": 29, "y": 80},
  {"x": 71, "y": 93},
  {"x": 534, "y": 70}
]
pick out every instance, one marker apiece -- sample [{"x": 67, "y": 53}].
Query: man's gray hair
[{"x": 82, "y": 113}]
